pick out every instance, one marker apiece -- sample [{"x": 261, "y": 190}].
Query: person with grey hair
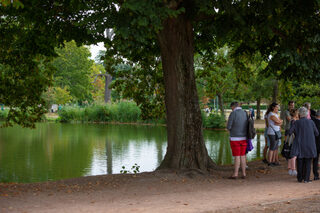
[
  {"x": 237, "y": 126},
  {"x": 315, "y": 160},
  {"x": 304, "y": 145}
]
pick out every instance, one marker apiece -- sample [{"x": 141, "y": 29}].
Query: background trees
[
  {"x": 218, "y": 74},
  {"x": 73, "y": 71}
]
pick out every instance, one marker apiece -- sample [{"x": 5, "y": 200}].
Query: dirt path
[{"x": 265, "y": 190}]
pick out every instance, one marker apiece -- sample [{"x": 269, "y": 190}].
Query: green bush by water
[
  {"x": 3, "y": 114},
  {"x": 213, "y": 120},
  {"x": 117, "y": 112}
]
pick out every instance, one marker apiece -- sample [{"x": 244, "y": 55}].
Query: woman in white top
[{"x": 274, "y": 124}]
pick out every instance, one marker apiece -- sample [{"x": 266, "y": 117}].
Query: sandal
[
  {"x": 233, "y": 177},
  {"x": 244, "y": 177}
]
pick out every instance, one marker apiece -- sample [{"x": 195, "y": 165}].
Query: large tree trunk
[
  {"x": 107, "y": 91},
  {"x": 186, "y": 148},
  {"x": 258, "y": 108},
  {"x": 220, "y": 99}
]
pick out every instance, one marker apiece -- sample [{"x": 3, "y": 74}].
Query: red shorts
[{"x": 238, "y": 147}]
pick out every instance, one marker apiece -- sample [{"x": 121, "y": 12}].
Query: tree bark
[
  {"x": 258, "y": 108},
  {"x": 220, "y": 99},
  {"x": 186, "y": 148},
  {"x": 107, "y": 91}
]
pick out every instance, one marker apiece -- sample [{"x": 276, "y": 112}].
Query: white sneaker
[
  {"x": 290, "y": 172},
  {"x": 294, "y": 173}
]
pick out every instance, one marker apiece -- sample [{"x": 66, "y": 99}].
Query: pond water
[{"x": 56, "y": 151}]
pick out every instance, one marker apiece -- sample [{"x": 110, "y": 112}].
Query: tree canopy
[{"x": 285, "y": 33}]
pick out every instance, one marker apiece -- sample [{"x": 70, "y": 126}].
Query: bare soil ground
[{"x": 264, "y": 190}]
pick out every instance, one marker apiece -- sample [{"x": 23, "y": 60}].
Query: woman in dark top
[
  {"x": 304, "y": 146},
  {"x": 315, "y": 160}
]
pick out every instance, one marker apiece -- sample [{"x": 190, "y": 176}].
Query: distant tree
[
  {"x": 98, "y": 91},
  {"x": 73, "y": 70},
  {"x": 108, "y": 59},
  {"x": 56, "y": 95},
  {"x": 62, "y": 95},
  {"x": 259, "y": 86},
  {"x": 144, "y": 85},
  {"x": 218, "y": 74}
]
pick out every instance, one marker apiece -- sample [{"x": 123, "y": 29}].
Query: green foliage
[
  {"x": 73, "y": 71},
  {"x": 288, "y": 31},
  {"x": 146, "y": 88},
  {"x": 134, "y": 169},
  {"x": 56, "y": 95},
  {"x": 246, "y": 107},
  {"x": 98, "y": 83},
  {"x": 15, "y": 3},
  {"x": 214, "y": 120},
  {"x": 3, "y": 114},
  {"x": 117, "y": 112},
  {"x": 217, "y": 72},
  {"x": 62, "y": 95},
  {"x": 306, "y": 93}
]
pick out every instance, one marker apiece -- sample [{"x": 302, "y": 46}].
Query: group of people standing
[{"x": 302, "y": 127}]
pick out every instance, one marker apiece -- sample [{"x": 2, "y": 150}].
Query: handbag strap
[{"x": 273, "y": 129}]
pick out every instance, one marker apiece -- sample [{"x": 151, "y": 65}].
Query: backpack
[{"x": 251, "y": 131}]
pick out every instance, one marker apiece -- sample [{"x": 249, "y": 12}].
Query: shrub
[
  {"x": 215, "y": 120},
  {"x": 69, "y": 114},
  {"x": 3, "y": 114},
  {"x": 117, "y": 112}
]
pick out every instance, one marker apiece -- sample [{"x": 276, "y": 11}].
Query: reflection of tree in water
[
  {"x": 224, "y": 152},
  {"x": 258, "y": 148},
  {"x": 219, "y": 149},
  {"x": 225, "y": 155},
  {"x": 109, "y": 156},
  {"x": 48, "y": 152},
  {"x": 58, "y": 151},
  {"x": 159, "y": 144},
  {"x": 217, "y": 143},
  {"x": 120, "y": 138}
]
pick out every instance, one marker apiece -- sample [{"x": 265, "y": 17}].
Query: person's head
[
  {"x": 303, "y": 112},
  {"x": 318, "y": 114},
  {"x": 291, "y": 105},
  {"x": 274, "y": 107},
  {"x": 233, "y": 105},
  {"x": 307, "y": 105},
  {"x": 294, "y": 113}
]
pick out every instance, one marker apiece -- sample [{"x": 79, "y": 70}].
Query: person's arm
[
  {"x": 276, "y": 120},
  {"x": 266, "y": 120},
  {"x": 230, "y": 121},
  {"x": 288, "y": 117}
]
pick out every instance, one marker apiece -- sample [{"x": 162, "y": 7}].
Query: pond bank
[
  {"x": 264, "y": 190},
  {"x": 258, "y": 124}
]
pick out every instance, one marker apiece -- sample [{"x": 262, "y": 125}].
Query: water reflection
[{"x": 59, "y": 151}]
